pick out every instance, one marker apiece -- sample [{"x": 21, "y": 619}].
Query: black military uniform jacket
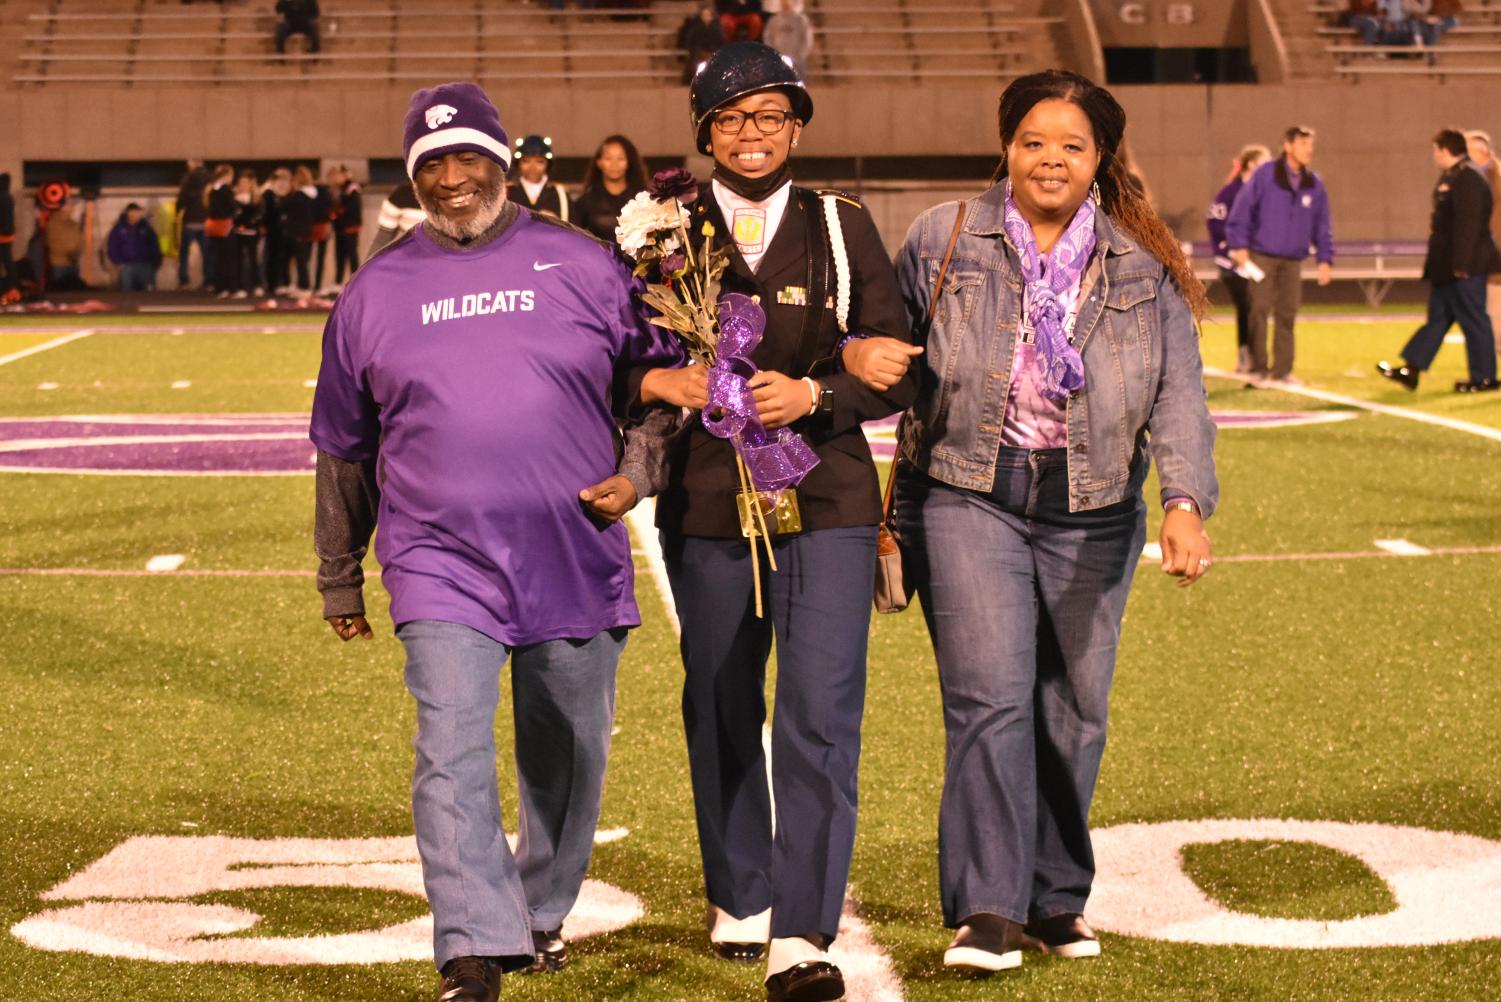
[
  {"x": 1460, "y": 238},
  {"x": 795, "y": 283},
  {"x": 551, "y": 199}
]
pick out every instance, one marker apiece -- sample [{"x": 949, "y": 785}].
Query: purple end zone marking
[{"x": 160, "y": 444}]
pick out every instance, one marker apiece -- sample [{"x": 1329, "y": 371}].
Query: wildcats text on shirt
[{"x": 477, "y": 304}]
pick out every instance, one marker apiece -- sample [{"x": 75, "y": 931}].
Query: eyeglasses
[{"x": 768, "y": 122}]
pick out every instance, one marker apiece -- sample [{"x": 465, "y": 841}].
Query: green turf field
[{"x": 1312, "y": 676}]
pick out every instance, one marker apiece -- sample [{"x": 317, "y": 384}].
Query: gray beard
[{"x": 491, "y": 201}]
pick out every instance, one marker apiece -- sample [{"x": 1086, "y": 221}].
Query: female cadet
[{"x": 817, "y": 265}]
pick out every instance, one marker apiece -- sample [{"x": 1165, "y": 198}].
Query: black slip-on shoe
[
  {"x": 810, "y": 981},
  {"x": 552, "y": 952},
  {"x": 740, "y": 953},
  {"x": 985, "y": 942},
  {"x": 1398, "y": 374},
  {"x": 1067, "y": 936},
  {"x": 470, "y": 979}
]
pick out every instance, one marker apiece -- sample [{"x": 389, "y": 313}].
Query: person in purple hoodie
[
  {"x": 464, "y": 404},
  {"x": 1239, "y": 287},
  {"x": 134, "y": 249},
  {"x": 1280, "y": 215}
]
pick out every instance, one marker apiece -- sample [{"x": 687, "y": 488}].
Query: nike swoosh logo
[{"x": 539, "y": 266}]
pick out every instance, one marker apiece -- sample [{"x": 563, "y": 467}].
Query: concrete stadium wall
[{"x": 1373, "y": 150}]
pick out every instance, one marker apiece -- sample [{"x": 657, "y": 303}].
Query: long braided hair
[{"x": 1120, "y": 192}]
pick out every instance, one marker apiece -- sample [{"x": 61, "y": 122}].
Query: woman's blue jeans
[{"x": 1024, "y": 601}]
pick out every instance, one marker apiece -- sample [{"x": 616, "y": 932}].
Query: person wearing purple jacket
[
  {"x": 464, "y": 404},
  {"x": 1280, "y": 215},
  {"x": 134, "y": 249},
  {"x": 1239, "y": 287}
]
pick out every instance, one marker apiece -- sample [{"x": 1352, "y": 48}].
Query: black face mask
[{"x": 754, "y": 189}]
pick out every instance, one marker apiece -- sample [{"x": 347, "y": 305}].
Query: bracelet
[
  {"x": 813, "y": 390},
  {"x": 839, "y": 348},
  {"x": 1181, "y": 504}
]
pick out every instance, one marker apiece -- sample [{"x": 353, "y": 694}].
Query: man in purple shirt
[
  {"x": 1279, "y": 216},
  {"x": 463, "y": 401}
]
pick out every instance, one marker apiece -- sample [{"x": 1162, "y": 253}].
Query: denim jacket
[{"x": 1144, "y": 390}]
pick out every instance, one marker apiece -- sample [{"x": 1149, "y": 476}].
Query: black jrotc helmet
[
  {"x": 534, "y": 146},
  {"x": 739, "y": 69}
]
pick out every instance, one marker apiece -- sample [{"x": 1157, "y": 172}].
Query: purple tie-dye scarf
[{"x": 1046, "y": 277}]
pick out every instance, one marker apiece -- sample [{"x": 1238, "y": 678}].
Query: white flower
[{"x": 645, "y": 221}]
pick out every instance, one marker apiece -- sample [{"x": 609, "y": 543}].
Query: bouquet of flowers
[{"x": 719, "y": 332}]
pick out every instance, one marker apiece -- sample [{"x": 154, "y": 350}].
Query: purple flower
[
  {"x": 671, "y": 265},
  {"x": 674, "y": 182}
]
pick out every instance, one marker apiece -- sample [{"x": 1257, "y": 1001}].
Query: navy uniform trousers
[{"x": 817, "y": 606}]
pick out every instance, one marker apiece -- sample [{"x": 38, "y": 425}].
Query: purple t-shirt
[{"x": 482, "y": 379}]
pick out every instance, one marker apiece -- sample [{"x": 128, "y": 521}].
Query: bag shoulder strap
[{"x": 943, "y": 267}]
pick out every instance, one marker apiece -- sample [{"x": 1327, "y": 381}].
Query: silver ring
[{"x": 1203, "y": 561}]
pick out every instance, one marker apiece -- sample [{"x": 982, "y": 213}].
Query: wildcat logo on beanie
[{"x": 449, "y": 118}]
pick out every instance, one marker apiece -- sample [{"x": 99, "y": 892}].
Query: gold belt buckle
[{"x": 783, "y": 519}]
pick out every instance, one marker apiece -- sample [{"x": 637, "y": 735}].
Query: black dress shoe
[
  {"x": 740, "y": 953},
  {"x": 552, "y": 952},
  {"x": 1482, "y": 386},
  {"x": 1398, "y": 374},
  {"x": 810, "y": 981},
  {"x": 470, "y": 979}
]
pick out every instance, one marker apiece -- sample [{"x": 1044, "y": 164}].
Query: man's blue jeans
[
  {"x": 1024, "y": 602},
  {"x": 486, "y": 902}
]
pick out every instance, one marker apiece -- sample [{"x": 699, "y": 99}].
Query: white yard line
[
  {"x": 642, "y": 522},
  {"x": 165, "y": 562},
  {"x": 37, "y": 349},
  {"x": 1453, "y": 424},
  {"x": 869, "y": 976},
  {"x": 1403, "y": 548}
]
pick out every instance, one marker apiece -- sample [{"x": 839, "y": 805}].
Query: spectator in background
[
  {"x": 1431, "y": 19},
  {"x": 791, "y": 34},
  {"x": 614, "y": 176},
  {"x": 1239, "y": 287},
  {"x": 250, "y": 215},
  {"x": 297, "y": 17},
  {"x": 1280, "y": 214},
  {"x": 134, "y": 249},
  {"x": 298, "y": 219},
  {"x": 7, "y": 236},
  {"x": 275, "y": 255},
  {"x": 349, "y": 219},
  {"x": 1461, "y": 255},
  {"x": 63, "y": 241},
  {"x": 699, "y": 37},
  {"x": 219, "y": 226},
  {"x": 532, "y": 188},
  {"x": 191, "y": 212},
  {"x": 399, "y": 212},
  {"x": 736, "y": 16},
  {"x": 1483, "y": 154},
  {"x": 325, "y": 208}
]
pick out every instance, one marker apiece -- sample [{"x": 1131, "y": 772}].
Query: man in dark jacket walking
[
  {"x": 134, "y": 249},
  {"x": 1461, "y": 253},
  {"x": 1282, "y": 212}
]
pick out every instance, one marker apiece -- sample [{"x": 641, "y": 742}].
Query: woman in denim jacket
[{"x": 1062, "y": 355}]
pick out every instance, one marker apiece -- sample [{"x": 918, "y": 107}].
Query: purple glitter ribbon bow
[{"x": 776, "y": 460}]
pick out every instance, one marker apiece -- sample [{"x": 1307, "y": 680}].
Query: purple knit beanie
[{"x": 452, "y": 117}]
